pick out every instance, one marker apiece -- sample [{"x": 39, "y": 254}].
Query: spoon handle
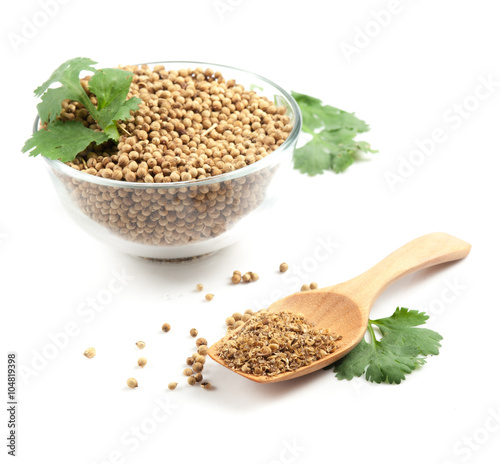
[{"x": 425, "y": 251}]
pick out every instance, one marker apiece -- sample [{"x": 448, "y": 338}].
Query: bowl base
[{"x": 176, "y": 260}]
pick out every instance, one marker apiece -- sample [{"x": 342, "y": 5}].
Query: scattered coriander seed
[
  {"x": 313, "y": 285},
  {"x": 132, "y": 383},
  {"x": 304, "y": 288},
  {"x": 187, "y": 372},
  {"x": 201, "y": 359},
  {"x": 203, "y": 350},
  {"x": 190, "y": 361},
  {"x": 198, "y": 377},
  {"x": 201, "y": 341},
  {"x": 249, "y": 311},
  {"x": 195, "y": 356},
  {"x": 246, "y": 317},
  {"x": 172, "y": 385},
  {"x": 209, "y": 296},
  {"x": 140, "y": 345},
  {"x": 237, "y": 316},
  {"x": 238, "y": 324},
  {"x": 142, "y": 362},
  {"x": 246, "y": 277},
  {"x": 236, "y": 278},
  {"x": 165, "y": 327},
  {"x": 89, "y": 353},
  {"x": 206, "y": 385},
  {"x": 254, "y": 276},
  {"x": 197, "y": 366},
  {"x": 283, "y": 267},
  {"x": 230, "y": 321},
  {"x": 199, "y": 287},
  {"x": 237, "y": 273},
  {"x": 191, "y": 380},
  {"x": 193, "y": 332}
]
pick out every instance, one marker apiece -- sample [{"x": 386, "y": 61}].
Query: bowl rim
[{"x": 268, "y": 160}]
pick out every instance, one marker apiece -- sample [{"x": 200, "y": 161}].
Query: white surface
[{"x": 404, "y": 83}]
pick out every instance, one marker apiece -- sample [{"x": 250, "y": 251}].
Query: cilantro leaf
[
  {"x": 399, "y": 329},
  {"x": 68, "y": 75},
  {"x": 381, "y": 361},
  {"x": 333, "y": 150},
  {"x": 355, "y": 362},
  {"x": 111, "y": 87},
  {"x": 399, "y": 352},
  {"x": 313, "y": 158},
  {"x": 50, "y": 106},
  {"x": 310, "y": 119},
  {"x": 62, "y": 140},
  {"x": 390, "y": 363},
  {"x": 333, "y": 131},
  {"x": 315, "y": 115}
]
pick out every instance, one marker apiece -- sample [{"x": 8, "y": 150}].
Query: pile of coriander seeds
[
  {"x": 192, "y": 124},
  {"x": 273, "y": 343}
]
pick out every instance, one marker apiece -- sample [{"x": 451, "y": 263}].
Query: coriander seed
[
  {"x": 206, "y": 385},
  {"x": 304, "y": 288},
  {"x": 172, "y": 385},
  {"x": 165, "y": 327},
  {"x": 191, "y": 380},
  {"x": 189, "y": 125},
  {"x": 190, "y": 361},
  {"x": 193, "y": 332},
  {"x": 283, "y": 267},
  {"x": 89, "y": 353},
  {"x": 254, "y": 276},
  {"x": 187, "y": 372},
  {"x": 273, "y": 343},
  {"x": 199, "y": 287},
  {"x": 198, "y": 377},
  {"x": 201, "y": 341},
  {"x": 140, "y": 345},
  {"x": 313, "y": 285},
  {"x": 132, "y": 383},
  {"x": 142, "y": 362},
  {"x": 246, "y": 277},
  {"x": 209, "y": 296},
  {"x": 237, "y": 316},
  {"x": 197, "y": 366},
  {"x": 203, "y": 350},
  {"x": 230, "y": 321}
]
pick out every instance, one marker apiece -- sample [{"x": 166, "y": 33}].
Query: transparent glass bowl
[{"x": 180, "y": 220}]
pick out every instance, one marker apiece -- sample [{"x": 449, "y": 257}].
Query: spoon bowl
[{"x": 345, "y": 308}]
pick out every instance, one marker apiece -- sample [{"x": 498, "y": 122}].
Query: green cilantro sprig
[
  {"x": 332, "y": 146},
  {"x": 64, "y": 140},
  {"x": 400, "y": 350}
]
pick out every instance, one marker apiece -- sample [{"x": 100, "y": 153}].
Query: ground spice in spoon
[{"x": 273, "y": 343}]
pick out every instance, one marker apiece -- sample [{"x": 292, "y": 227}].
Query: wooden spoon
[{"x": 344, "y": 308}]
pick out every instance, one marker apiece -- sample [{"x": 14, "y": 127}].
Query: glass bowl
[{"x": 178, "y": 221}]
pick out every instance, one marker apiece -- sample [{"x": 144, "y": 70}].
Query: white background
[{"x": 410, "y": 78}]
